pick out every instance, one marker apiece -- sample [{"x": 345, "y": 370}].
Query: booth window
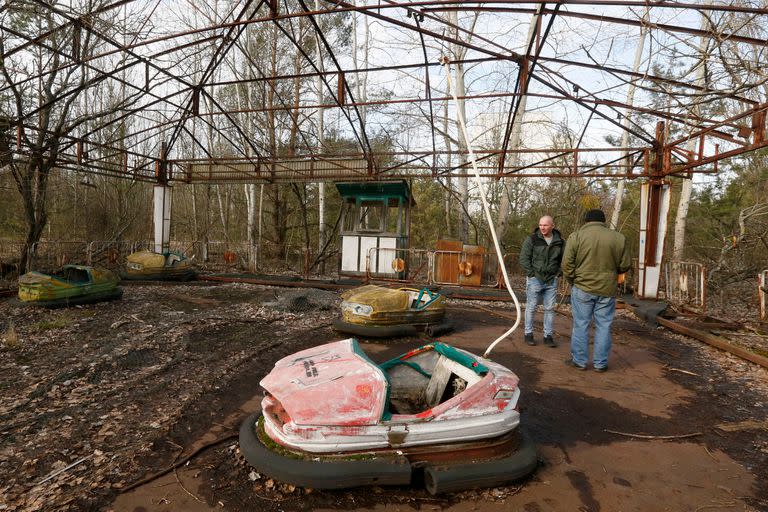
[
  {"x": 349, "y": 216},
  {"x": 371, "y": 216},
  {"x": 393, "y": 216}
]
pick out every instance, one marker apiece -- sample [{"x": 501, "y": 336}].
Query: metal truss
[{"x": 196, "y": 92}]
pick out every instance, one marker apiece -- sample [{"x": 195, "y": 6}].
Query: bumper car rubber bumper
[{"x": 394, "y": 469}]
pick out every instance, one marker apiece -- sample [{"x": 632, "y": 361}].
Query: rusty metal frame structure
[{"x": 179, "y": 126}]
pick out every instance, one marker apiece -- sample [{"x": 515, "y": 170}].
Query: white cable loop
[{"x": 487, "y": 211}]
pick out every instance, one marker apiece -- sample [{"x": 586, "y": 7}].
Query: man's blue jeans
[
  {"x": 585, "y": 307},
  {"x": 548, "y": 292}
]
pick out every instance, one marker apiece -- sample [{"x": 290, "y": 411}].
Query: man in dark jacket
[
  {"x": 540, "y": 257},
  {"x": 594, "y": 256}
]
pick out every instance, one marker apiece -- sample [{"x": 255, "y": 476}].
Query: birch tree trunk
[
  {"x": 514, "y": 143},
  {"x": 195, "y": 225},
  {"x": 245, "y": 98},
  {"x": 462, "y": 157},
  {"x": 321, "y": 141},
  {"x": 261, "y": 223},
  {"x": 278, "y": 221},
  {"x": 463, "y": 182},
  {"x": 52, "y": 119},
  {"x": 250, "y": 196},
  {"x": 619, "y": 198},
  {"x": 681, "y": 218},
  {"x": 361, "y": 86},
  {"x": 449, "y": 184},
  {"x": 223, "y": 208}
]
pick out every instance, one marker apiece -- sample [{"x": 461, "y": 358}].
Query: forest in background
[
  {"x": 727, "y": 213},
  {"x": 727, "y": 229}
]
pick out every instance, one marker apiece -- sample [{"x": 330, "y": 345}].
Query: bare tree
[
  {"x": 459, "y": 52},
  {"x": 735, "y": 242},
  {"x": 627, "y": 119},
  {"x": 514, "y": 141},
  {"x": 42, "y": 108},
  {"x": 681, "y": 217}
]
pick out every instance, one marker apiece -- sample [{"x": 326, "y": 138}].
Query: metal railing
[
  {"x": 439, "y": 267},
  {"x": 462, "y": 268},
  {"x": 10, "y": 251},
  {"x": 686, "y": 285},
  {"x": 50, "y": 255},
  {"x": 216, "y": 256},
  {"x": 280, "y": 259},
  {"x": 398, "y": 265},
  {"x": 112, "y": 254}
]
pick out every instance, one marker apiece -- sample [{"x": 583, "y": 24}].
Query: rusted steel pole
[{"x": 654, "y": 198}]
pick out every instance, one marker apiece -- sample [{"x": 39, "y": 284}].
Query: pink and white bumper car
[{"x": 331, "y": 418}]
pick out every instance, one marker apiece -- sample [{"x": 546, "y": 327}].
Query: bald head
[{"x": 546, "y": 225}]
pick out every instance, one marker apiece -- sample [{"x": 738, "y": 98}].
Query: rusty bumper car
[
  {"x": 69, "y": 286},
  {"x": 154, "y": 266},
  {"x": 331, "y": 418},
  {"x": 376, "y": 311}
]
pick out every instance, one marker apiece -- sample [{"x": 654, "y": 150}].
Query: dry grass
[{"x": 11, "y": 339}]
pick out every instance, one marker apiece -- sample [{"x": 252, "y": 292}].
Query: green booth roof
[{"x": 376, "y": 190}]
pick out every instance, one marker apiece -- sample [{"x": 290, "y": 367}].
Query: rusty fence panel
[
  {"x": 399, "y": 265},
  {"x": 442, "y": 267},
  {"x": 686, "y": 285},
  {"x": 762, "y": 293},
  {"x": 216, "y": 255},
  {"x": 449, "y": 267},
  {"x": 474, "y": 268}
]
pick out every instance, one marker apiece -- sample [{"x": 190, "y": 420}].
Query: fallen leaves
[{"x": 100, "y": 391}]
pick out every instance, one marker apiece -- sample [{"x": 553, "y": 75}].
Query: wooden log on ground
[{"x": 715, "y": 341}]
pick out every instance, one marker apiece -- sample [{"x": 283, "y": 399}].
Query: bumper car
[
  {"x": 153, "y": 266},
  {"x": 375, "y": 311},
  {"x": 69, "y": 286},
  {"x": 331, "y": 418}
]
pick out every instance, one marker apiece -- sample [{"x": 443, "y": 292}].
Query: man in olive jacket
[
  {"x": 540, "y": 257},
  {"x": 594, "y": 256}
]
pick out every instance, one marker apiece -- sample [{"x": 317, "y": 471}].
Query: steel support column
[
  {"x": 654, "y": 209},
  {"x": 162, "y": 218},
  {"x": 162, "y": 205}
]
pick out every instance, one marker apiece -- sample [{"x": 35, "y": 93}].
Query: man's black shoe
[
  {"x": 550, "y": 342},
  {"x": 569, "y": 362},
  {"x": 600, "y": 369},
  {"x": 529, "y": 338}
]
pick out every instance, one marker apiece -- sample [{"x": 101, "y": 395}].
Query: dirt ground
[{"x": 96, "y": 398}]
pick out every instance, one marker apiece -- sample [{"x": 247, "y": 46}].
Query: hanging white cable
[{"x": 486, "y": 210}]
